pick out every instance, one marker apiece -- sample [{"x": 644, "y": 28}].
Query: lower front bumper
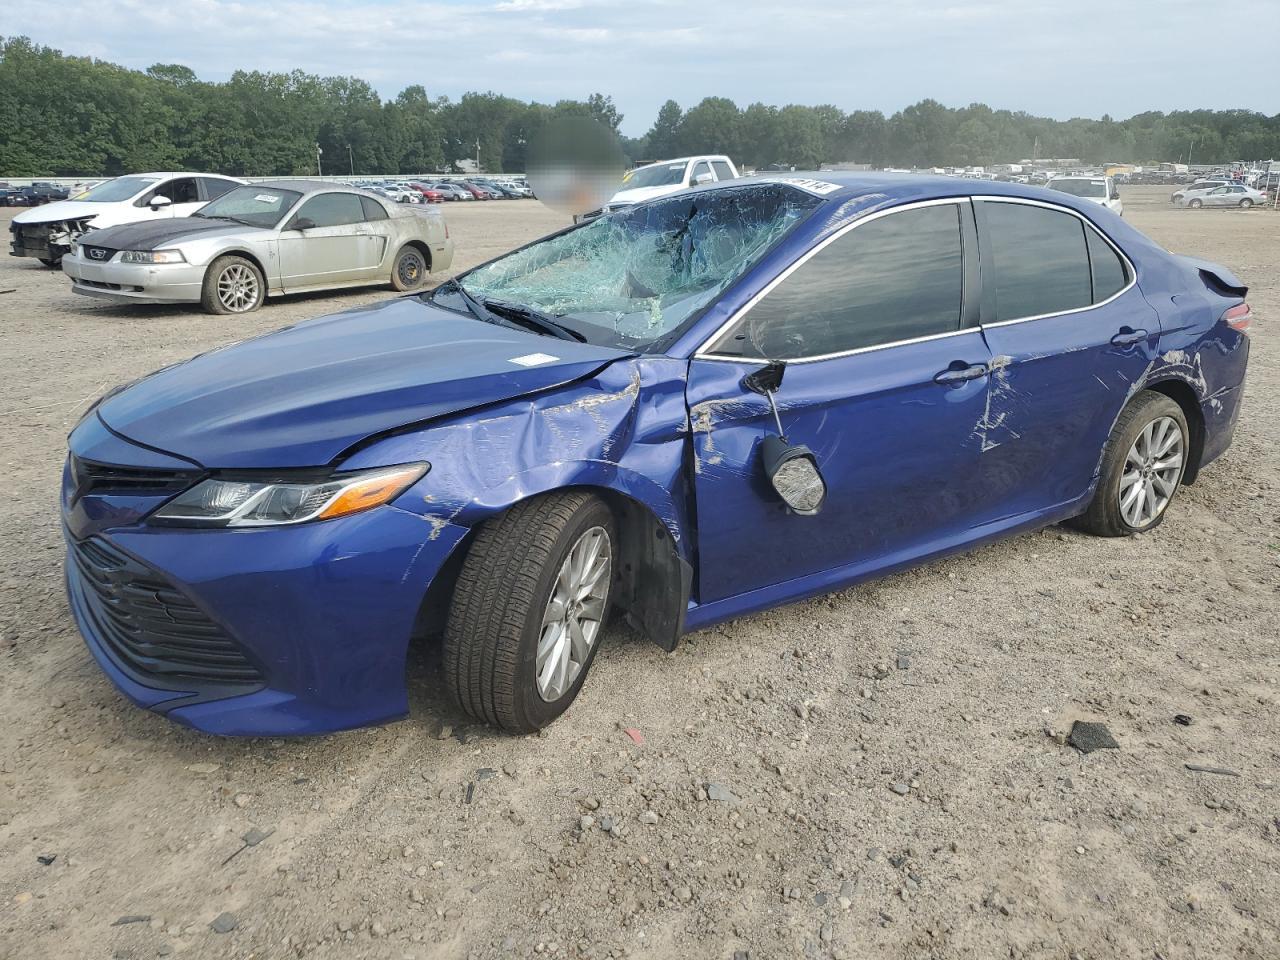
[
  {"x": 137, "y": 282},
  {"x": 326, "y": 610}
]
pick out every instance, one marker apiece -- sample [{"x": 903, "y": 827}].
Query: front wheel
[
  {"x": 1195, "y": 204},
  {"x": 1142, "y": 468},
  {"x": 528, "y": 610},
  {"x": 1246, "y": 203},
  {"x": 232, "y": 285},
  {"x": 409, "y": 270},
  {"x": 51, "y": 262}
]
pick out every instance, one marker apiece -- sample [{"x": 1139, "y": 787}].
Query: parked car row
[
  {"x": 227, "y": 244},
  {"x": 438, "y": 191},
  {"x": 1217, "y": 193},
  {"x": 32, "y": 195}
]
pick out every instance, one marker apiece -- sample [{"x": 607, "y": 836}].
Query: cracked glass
[{"x": 632, "y": 278}]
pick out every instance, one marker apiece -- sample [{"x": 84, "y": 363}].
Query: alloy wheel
[
  {"x": 238, "y": 288},
  {"x": 1152, "y": 471},
  {"x": 574, "y": 614}
]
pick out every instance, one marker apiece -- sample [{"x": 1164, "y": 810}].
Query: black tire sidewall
[
  {"x": 528, "y": 705},
  {"x": 1153, "y": 407},
  {"x": 408, "y": 251}
]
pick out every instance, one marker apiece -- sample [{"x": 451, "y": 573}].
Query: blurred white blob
[{"x": 575, "y": 164}]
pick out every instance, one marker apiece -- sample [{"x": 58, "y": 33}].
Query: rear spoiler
[{"x": 1217, "y": 277}]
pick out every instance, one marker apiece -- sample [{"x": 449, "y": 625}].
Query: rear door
[
  {"x": 1070, "y": 334},
  {"x": 885, "y": 379},
  {"x": 334, "y": 249}
]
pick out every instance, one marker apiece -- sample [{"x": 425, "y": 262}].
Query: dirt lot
[{"x": 431, "y": 838}]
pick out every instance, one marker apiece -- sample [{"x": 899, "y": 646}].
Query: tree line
[{"x": 66, "y": 116}]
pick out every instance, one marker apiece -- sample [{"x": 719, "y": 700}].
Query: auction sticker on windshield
[
  {"x": 534, "y": 359},
  {"x": 822, "y": 187},
  {"x": 267, "y": 198}
]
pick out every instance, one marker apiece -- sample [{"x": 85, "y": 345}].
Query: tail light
[{"x": 1239, "y": 317}]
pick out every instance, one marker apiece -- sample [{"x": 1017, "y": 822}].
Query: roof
[{"x": 861, "y": 192}]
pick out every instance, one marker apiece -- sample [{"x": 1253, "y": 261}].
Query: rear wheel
[
  {"x": 409, "y": 270},
  {"x": 232, "y": 285},
  {"x": 528, "y": 610},
  {"x": 1142, "y": 468}
]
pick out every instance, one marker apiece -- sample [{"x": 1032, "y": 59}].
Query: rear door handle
[
  {"x": 1127, "y": 337},
  {"x": 959, "y": 372}
]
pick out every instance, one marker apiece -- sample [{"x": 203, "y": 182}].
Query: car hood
[
  {"x": 63, "y": 210},
  {"x": 640, "y": 194},
  {"x": 301, "y": 396},
  {"x": 153, "y": 234}
]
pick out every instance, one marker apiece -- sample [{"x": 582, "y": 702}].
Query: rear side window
[
  {"x": 373, "y": 210},
  {"x": 1039, "y": 259},
  {"x": 1109, "y": 272},
  {"x": 214, "y": 188},
  {"x": 722, "y": 169},
  {"x": 895, "y": 278}
]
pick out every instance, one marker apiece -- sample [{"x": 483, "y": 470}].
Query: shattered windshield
[{"x": 629, "y": 279}]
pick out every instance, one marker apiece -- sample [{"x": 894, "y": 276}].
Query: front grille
[
  {"x": 150, "y": 627},
  {"x": 97, "y": 254},
  {"x": 103, "y": 479}
]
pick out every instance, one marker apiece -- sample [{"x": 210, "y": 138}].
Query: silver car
[
  {"x": 278, "y": 237},
  {"x": 1219, "y": 195}
]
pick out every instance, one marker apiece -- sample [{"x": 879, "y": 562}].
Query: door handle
[
  {"x": 959, "y": 372},
  {"x": 1127, "y": 337}
]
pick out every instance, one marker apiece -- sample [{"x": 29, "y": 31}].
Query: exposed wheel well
[
  {"x": 1184, "y": 396},
  {"x": 638, "y": 530}
]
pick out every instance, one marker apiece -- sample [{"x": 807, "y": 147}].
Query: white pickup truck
[{"x": 669, "y": 176}]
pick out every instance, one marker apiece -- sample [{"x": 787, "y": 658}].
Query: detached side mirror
[
  {"x": 793, "y": 471},
  {"x": 159, "y": 203},
  {"x": 301, "y": 223},
  {"x": 700, "y": 179}
]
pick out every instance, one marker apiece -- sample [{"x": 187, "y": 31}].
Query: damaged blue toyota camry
[{"x": 699, "y": 407}]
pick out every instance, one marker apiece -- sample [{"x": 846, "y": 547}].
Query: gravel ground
[{"x": 877, "y": 773}]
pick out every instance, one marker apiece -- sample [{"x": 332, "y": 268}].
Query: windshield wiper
[
  {"x": 535, "y": 319},
  {"x": 477, "y": 310}
]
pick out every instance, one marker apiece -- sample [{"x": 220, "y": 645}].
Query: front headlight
[
  {"x": 152, "y": 256},
  {"x": 253, "y": 503}
]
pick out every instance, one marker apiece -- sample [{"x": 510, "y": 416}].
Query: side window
[
  {"x": 373, "y": 210},
  {"x": 895, "y": 278},
  {"x": 333, "y": 209},
  {"x": 1109, "y": 272},
  {"x": 722, "y": 169},
  {"x": 699, "y": 169},
  {"x": 214, "y": 188},
  {"x": 1039, "y": 260},
  {"x": 182, "y": 190}
]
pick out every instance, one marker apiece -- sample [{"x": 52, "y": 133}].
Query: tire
[
  {"x": 51, "y": 262},
  {"x": 1194, "y": 204},
  {"x": 503, "y": 595},
  {"x": 232, "y": 285},
  {"x": 1246, "y": 203},
  {"x": 409, "y": 269},
  {"x": 1107, "y": 516}
]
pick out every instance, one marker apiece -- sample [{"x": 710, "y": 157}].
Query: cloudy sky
[{"x": 1043, "y": 56}]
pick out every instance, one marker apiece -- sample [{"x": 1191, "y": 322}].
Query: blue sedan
[{"x": 706, "y": 405}]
